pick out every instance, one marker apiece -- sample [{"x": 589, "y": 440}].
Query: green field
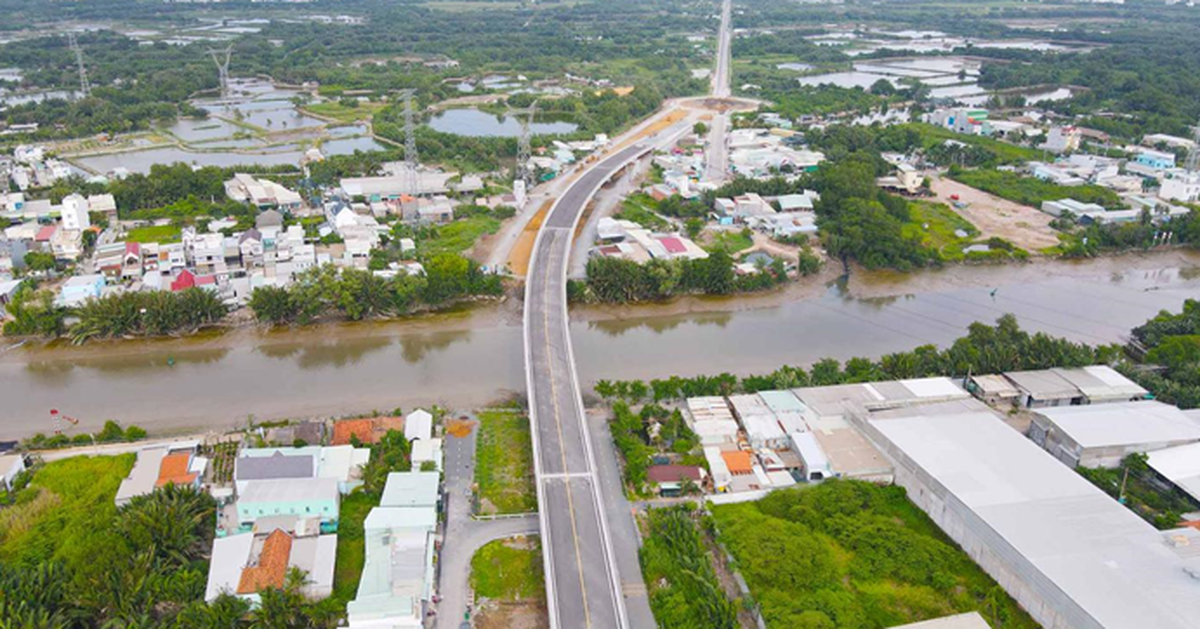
[
  {"x": 351, "y": 549},
  {"x": 458, "y": 236},
  {"x": 504, "y": 463},
  {"x": 509, "y": 570},
  {"x": 1004, "y": 152},
  {"x": 935, "y": 224},
  {"x": 855, "y": 555},
  {"x": 156, "y": 233},
  {"x": 730, "y": 242},
  {"x": 633, "y": 210},
  {"x": 339, "y": 112},
  {"x": 1032, "y": 191}
]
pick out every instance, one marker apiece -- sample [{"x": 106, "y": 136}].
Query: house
[
  {"x": 961, "y": 120},
  {"x": 907, "y": 180},
  {"x": 342, "y": 463},
  {"x": 1063, "y": 139},
  {"x": 248, "y": 563},
  {"x": 268, "y": 219},
  {"x": 262, "y": 193},
  {"x": 418, "y": 425},
  {"x": 671, "y": 479},
  {"x": 158, "y": 465},
  {"x": 8, "y": 289},
  {"x": 1181, "y": 186},
  {"x": 399, "y": 572},
  {"x": 186, "y": 279},
  {"x": 80, "y": 288},
  {"x": 1102, "y": 435},
  {"x": 738, "y": 462},
  {"x": 716, "y": 466},
  {"x": 75, "y": 213},
  {"x": 426, "y": 451},
  {"x": 1150, "y": 164},
  {"x": 10, "y": 466},
  {"x": 104, "y": 205},
  {"x": 307, "y": 497}
]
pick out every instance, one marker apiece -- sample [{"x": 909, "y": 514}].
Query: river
[{"x": 470, "y": 358}]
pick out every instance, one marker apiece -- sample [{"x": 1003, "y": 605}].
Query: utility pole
[
  {"x": 410, "y": 142},
  {"x": 85, "y": 86},
  {"x": 221, "y": 58},
  {"x": 524, "y": 149}
]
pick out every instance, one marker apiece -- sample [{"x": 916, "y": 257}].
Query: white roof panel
[
  {"x": 1123, "y": 423},
  {"x": 1180, "y": 465}
]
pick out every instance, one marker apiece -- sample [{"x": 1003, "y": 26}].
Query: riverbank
[{"x": 468, "y": 358}]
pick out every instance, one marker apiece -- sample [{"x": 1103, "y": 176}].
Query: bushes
[
  {"x": 684, "y": 591},
  {"x": 1032, "y": 191},
  {"x": 155, "y": 313},
  {"x": 854, "y": 555},
  {"x": 34, "y": 314},
  {"x": 615, "y": 280}
]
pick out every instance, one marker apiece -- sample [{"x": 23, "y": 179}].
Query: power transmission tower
[
  {"x": 1193, "y": 157},
  {"x": 410, "y": 142},
  {"x": 524, "y": 151},
  {"x": 85, "y": 86},
  {"x": 221, "y": 58}
]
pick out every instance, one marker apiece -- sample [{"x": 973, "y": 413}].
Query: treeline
[
  {"x": 159, "y": 313},
  {"x": 641, "y": 435},
  {"x": 616, "y": 280},
  {"x": 112, "y": 432},
  {"x": 985, "y": 349},
  {"x": 1084, "y": 241},
  {"x": 684, "y": 589},
  {"x": 357, "y": 294},
  {"x": 1170, "y": 349}
]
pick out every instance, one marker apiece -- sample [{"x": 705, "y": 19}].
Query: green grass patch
[
  {"x": 351, "y": 548},
  {"x": 155, "y": 233},
  {"x": 504, "y": 463},
  {"x": 854, "y": 554},
  {"x": 1004, "y": 152},
  {"x": 68, "y": 504},
  {"x": 1032, "y": 191},
  {"x": 509, "y": 570},
  {"x": 341, "y": 113},
  {"x": 458, "y": 236},
  {"x": 633, "y": 210},
  {"x": 730, "y": 242},
  {"x": 936, "y": 226}
]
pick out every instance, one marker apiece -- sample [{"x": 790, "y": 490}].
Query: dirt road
[{"x": 1025, "y": 227}]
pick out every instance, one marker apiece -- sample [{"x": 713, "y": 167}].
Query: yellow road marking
[{"x": 563, "y": 452}]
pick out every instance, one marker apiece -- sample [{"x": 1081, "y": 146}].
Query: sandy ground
[{"x": 1026, "y": 227}]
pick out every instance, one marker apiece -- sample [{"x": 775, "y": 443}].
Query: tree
[
  {"x": 40, "y": 261},
  {"x": 700, "y": 129}
]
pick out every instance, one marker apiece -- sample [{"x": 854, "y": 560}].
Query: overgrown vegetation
[
  {"x": 855, "y": 555},
  {"x": 1136, "y": 485},
  {"x": 651, "y": 431},
  {"x": 504, "y": 462},
  {"x": 616, "y": 280},
  {"x": 1032, "y": 191},
  {"x": 684, "y": 590},
  {"x": 159, "y": 313},
  {"x": 509, "y": 570}
]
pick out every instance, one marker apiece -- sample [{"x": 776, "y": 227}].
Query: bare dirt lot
[{"x": 1025, "y": 227}]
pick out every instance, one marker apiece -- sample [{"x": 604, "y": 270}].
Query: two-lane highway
[{"x": 582, "y": 581}]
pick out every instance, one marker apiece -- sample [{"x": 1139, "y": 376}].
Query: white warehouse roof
[
  {"x": 1180, "y": 465},
  {"x": 1123, "y": 423},
  {"x": 1095, "y": 562}
]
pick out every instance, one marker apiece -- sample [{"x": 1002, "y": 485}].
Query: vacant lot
[
  {"x": 1025, "y": 227},
  {"x": 157, "y": 233},
  {"x": 510, "y": 590},
  {"x": 504, "y": 463},
  {"x": 850, "y": 554}
]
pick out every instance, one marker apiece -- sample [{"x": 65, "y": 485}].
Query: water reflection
[
  {"x": 416, "y": 348},
  {"x": 658, "y": 325}
]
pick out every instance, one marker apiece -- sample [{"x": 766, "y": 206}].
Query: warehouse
[
  {"x": 1102, "y": 435},
  {"x": 758, "y": 420},
  {"x": 1068, "y": 553},
  {"x": 1044, "y": 388}
]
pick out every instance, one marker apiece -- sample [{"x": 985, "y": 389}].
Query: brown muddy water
[{"x": 212, "y": 382}]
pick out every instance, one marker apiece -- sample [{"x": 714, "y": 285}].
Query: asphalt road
[
  {"x": 717, "y": 151},
  {"x": 583, "y": 587}
]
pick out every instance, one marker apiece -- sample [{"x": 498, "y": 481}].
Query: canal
[{"x": 472, "y": 358}]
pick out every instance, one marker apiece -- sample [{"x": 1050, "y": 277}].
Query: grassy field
[
  {"x": 504, "y": 463},
  {"x": 1005, "y": 153},
  {"x": 509, "y": 570},
  {"x": 854, "y": 554},
  {"x": 67, "y": 504},
  {"x": 633, "y": 210},
  {"x": 339, "y": 112},
  {"x": 458, "y": 236},
  {"x": 351, "y": 552},
  {"x": 730, "y": 242},
  {"x": 156, "y": 233},
  {"x": 1032, "y": 191},
  {"x": 936, "y": 225}
]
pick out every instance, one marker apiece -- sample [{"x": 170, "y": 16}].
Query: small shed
[{"x": 993, "y": 389}]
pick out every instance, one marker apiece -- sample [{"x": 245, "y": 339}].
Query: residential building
[
  {"x": 426, "y": 451},
  {"x": 342, "y": 463},
  {"x": 758, "y": 421},
  {"x": 308, "y": 497},
  {"x": 1181, "y": 186},
  {"x": 1150, "y": 163},
  {"x": 399, "y": 576},
  {"x": 671, "y": 479},
  {"x": 160, "y": 464},
  {"x": 248, "y": 563},
  {"x": 1063, "y": 139},
  {"x": 75, "y": 213},
  {"x": 10, "y": 466},
  {"x": 1102, "y": 435},
  {"x": 816, "y": 464},
  {"x": 712, "y": 421},
  {"x": 907, "y": 180},
  {"x": 262, "y": 193},
  {"x": 716, "y": 466},
  {"x": 80, "y": 288},
  {"x": 418, "y": 425},
  {"x": 961, "y": 120}
]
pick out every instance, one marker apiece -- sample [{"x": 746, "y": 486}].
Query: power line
[
  {"x": 411, "y": 160},
  {"x": 222, "y": 58},
  {"x": 85, "y": 86}
]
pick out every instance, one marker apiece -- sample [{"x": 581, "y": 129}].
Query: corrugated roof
[
  {"x": 175, "y": 468},
  {"x": 738, "y": 461},
  {"x": 288, "y": 490},
  {"x": 276, "y": 465},
  {"x": 1180, "y": 465},
  {"x": 672, "y": 473},
  {"x": 1043, "y": 384},
  {"x": 1123, "y": 423},
  {"x": 410, "y": 489}
]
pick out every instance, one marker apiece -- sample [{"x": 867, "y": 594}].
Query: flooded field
[{"x": 473, "y": 122}]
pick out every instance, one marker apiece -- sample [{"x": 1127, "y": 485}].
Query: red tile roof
[
  {"x": 174, "y": 469},
  {"x": 272, "y": 565},
  {"x": 45, "y": 233},
  {"x": 133, "y": 248},
  {"x": 184, "y": 281},
  {"x": 364, "y": 429},
  {"x": 738, "y": 462},
  {"x": 672, "y": 473},
  {"x": 673, "y": 245}
]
